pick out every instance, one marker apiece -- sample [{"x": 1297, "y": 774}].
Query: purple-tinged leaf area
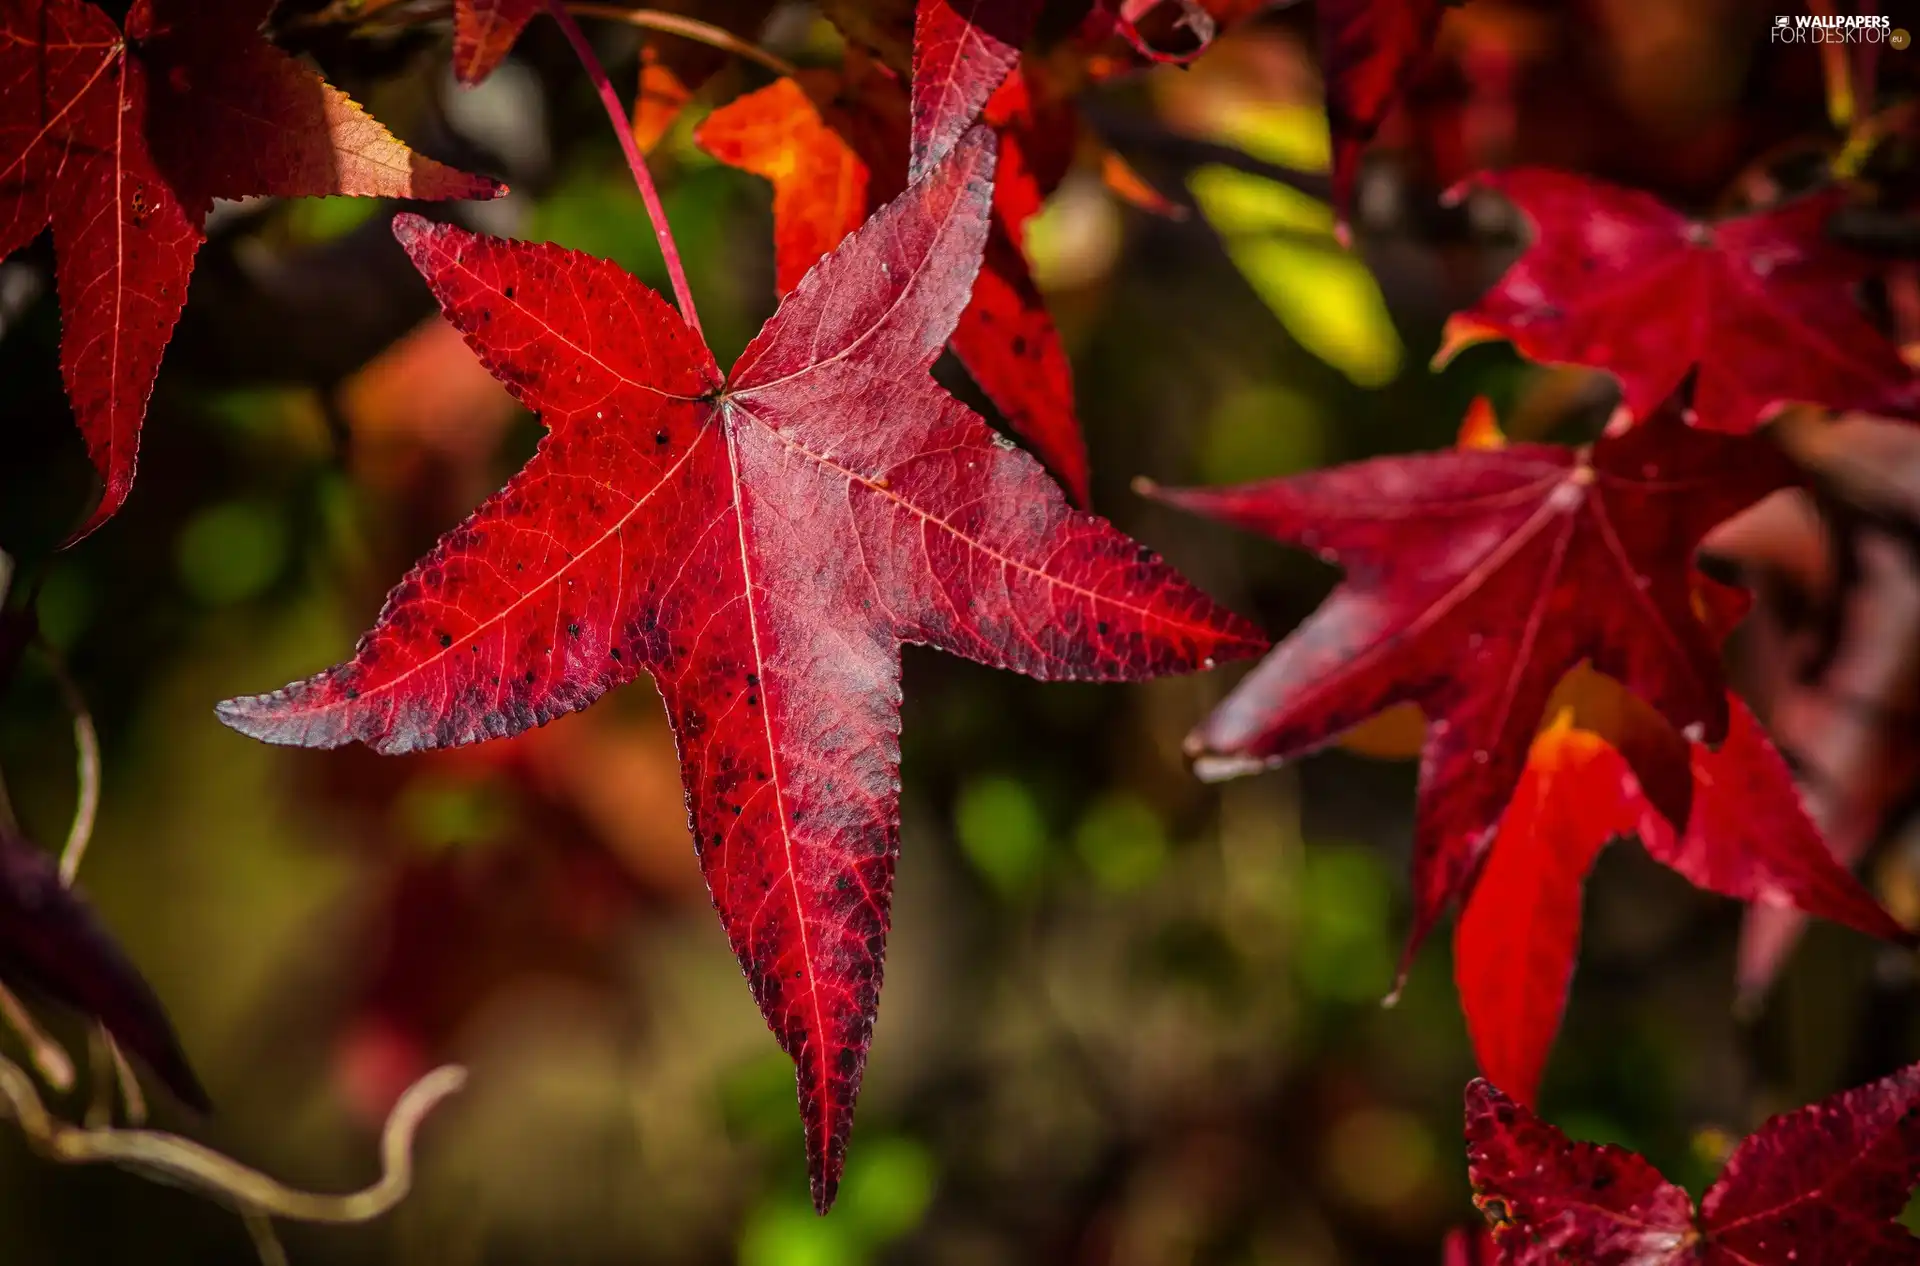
[
  {"x": 1823, "y": 1185},
  {"x": 54, "y": 946},
  {"x": 962, "y": 51},
  {"x": 1761, "y": 310},
  {"x": 1820, "y": 1186},
  {"x": 761, "y": 546},
  {"x": 1475, "y": 579},
  {"x": 1552, "y": 1200}
]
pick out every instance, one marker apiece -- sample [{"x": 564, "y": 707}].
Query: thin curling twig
[
  {"x": 267, "y": 1244},
  {"x": 50, "y": 1059},
  {"x": 86, "y": 749},
  {"x": 198, "y": 1167},
  {"x": 617, "y": 115},
  {"x": 688, "y": 28}
]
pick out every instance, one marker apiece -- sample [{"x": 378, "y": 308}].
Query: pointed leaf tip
[
  {"x": 54, "y": 944},
  {"x": 409, "y": 227}
]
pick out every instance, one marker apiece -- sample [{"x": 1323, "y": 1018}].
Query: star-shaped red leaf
[
  {"x": 1821, "y": 1186},
  {"x": 1369, "y": 49},
  {"x": 122, "y": 142},
  {"x": 835, "y": 147},
  {"x": 1761, "y": 310},
  {"x": 762, "y": 544},
  {"x": 52, "y": 944},
  {"x": 1475, "y": 580}
]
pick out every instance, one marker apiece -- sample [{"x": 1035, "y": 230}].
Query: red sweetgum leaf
[
  {"x": 1553, "y": 1200},
  {"x": 762, "y": 544},
  {"x": 1515, "y": 943},
  {"x": 52, "y": 944},
  {"x": 484, "y": 32},
  {"x": 963, "y": 51},
  {"x": 1821, "y": 1186},
  {"x": 1369, "y": 49},
  {"x": 1475, "y": 581},
  {"x": 835, "y": 148},
  {"x": 123, "y": 142},
  {"x": 1748, "y": 836},
  {"x": 1617, "y": 281}
]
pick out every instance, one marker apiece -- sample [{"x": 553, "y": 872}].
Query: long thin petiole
[
  {"x": 688, "y": 28},
  {"x": 86, "y": 746},
  {"x": 617, "y": 115}
]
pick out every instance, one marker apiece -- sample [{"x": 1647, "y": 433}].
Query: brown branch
[{"x": 175, "y": 1159}]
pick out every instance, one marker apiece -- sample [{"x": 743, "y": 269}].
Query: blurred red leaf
[
  {"x": 484, "y": 32},
  {"x": 1174, "y": 31},
  {"x": 1820, "y": 1186},
  {"x": 835, "y": 148},
  {"x": 1614, "y": 280},
  {"x": 122, "y": 142},
  {"x": 762, "y": 544},
  {"x": 1368, "y": 51},
  {"x": 834, "y": 145}
]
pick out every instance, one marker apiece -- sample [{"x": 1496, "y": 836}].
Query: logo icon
[{"x": 1900, "y": 39}]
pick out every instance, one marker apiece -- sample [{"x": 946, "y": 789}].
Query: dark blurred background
[{"x": 1130, "y": 1019}]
